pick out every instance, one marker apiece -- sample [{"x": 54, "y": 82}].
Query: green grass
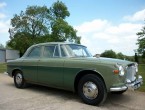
[
  {"x": 142, "y": 73},
  {"x": 2, "y": 67}
]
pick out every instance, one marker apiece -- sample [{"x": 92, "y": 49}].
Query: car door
[
  {"x": 50, "y": 67},
  {"x": 30, "y": 63}
]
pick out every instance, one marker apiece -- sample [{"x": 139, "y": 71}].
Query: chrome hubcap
[
  {"x": 90, "y": 90},
  {"x": 18, "y": 78}
]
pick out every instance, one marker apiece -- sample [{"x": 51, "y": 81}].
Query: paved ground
[{"x": 44, "y": 98}]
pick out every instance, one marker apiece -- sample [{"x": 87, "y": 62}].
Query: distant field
[
  {"x": 2, "y": 67},
  {"x": 141, "y": 72}
]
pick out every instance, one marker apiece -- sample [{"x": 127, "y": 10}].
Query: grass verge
[
  {"x": 141, "y": 69},
  {"x": 3, "y": 67}
]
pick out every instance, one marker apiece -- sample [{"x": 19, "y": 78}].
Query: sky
[{"x": 102, "y": 24}]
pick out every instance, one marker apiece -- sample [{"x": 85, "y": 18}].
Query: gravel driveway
[{"x": 44, "y": 98}]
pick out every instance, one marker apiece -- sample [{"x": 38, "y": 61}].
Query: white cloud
[
  {"x": 4, "y": 25},
  {"x": 3, "y": 4},
  {"x": 138, "y": 16},
  {"x": 120, "y": 38},
  {"x": 92, "y": 26}
]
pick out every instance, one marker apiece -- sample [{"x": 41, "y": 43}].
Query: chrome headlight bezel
[{"x": 121, "y": 69}]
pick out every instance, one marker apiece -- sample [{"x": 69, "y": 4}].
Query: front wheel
[
  {"x": 92, "y": 89},
  {"x": 19, "y": 80}
]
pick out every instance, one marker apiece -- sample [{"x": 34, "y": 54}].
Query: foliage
[
  {"x": 35, "y": 21},
  {"x": 141, "y": 42},
  {"x": 120, "y": 56},
  {"x": 21, "y": 41},
  {"x": 61, "y": 30},
  {"x": 109, "y": 54},
  {"x": 39, "y": 24},
  {"x": 112, "y": 54},
  {"x": 142, "y": 73},
  {"x": 59, "y": 10},
  {"x": 141, "y": 60}
]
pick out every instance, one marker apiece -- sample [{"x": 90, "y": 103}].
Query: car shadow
[
  {"x": 67, "y": 95},
  {"x": 112, "y": 99}
]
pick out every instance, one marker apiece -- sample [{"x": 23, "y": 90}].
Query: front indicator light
[{"x": 116, "y": 71}]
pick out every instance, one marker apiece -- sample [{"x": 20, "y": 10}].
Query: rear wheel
[
  {"x": 92, "y": 90},
  {"x": 19, "y": 80}
]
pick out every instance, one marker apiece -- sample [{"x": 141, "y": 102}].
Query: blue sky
[{"x": 102, "y": 24}]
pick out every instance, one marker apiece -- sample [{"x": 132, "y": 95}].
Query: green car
[{"x": 71, "y": 67}]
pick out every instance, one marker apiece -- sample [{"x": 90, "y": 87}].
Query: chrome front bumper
[
  {"x": 131, "y": 85},
  {"x": 135, "y": 84},
  {"x": 115, "y": 89}
]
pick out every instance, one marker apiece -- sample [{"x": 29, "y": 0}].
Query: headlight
[{"x": 121, "y": 70}]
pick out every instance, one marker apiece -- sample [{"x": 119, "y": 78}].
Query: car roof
[{"x": 39, "y": 44}]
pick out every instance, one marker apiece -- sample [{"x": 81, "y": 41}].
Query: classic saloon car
[{"x": 71, "y": 67}]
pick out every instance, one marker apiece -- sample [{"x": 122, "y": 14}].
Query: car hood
[
  {"x": 112, "y": 60},
  {"x": 106, "y": 60}
]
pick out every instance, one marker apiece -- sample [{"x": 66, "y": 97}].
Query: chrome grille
[{"x": 131, "y": 72}]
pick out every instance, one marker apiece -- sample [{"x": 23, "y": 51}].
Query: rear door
[{"x": 30, "y": 63}]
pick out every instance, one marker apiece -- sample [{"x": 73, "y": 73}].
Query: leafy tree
[
  {"x": 61, "y": 30},
  {"x": 109, "y": 54},
  {"x": 41, "y": 24},
  {"x": 141, "y": 42},
  {"x": 35, "y": 21},
  {"x": 59, "y": 10},
  {"x": 120, "y": 56},
  {"x": 21, "y": 41}
]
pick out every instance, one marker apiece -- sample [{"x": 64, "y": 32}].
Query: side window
[
  {"x": 56, "y": 53},
  {"x": 63, "y": 53},
  {"x": 35, "y": 52},
  {"x": 51, "y": 51}
]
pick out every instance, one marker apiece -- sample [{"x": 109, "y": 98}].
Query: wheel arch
[
  {"x": 14, "y": 70},
  {"x": 83, "y": 73}
]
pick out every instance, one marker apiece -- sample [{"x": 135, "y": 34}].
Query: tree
[
  {"x": 35, "y": 21},
  {"x": 59, "y": 10},
  {"x": 109, "y": 54},
  {"x": 41, "y": 24},
  {"x": 61, "y": 30},
  {"x": 120, "y": 56},
  {"x": 141, "y": 42},
  {"x": 21, "y": 41}
]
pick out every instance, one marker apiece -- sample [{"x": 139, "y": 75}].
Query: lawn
[
  {"x": 2, "y": 67},
  {"x": 141, "y": 72}
]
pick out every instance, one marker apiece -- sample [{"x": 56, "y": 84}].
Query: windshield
[{"x": 77, "y": 50}]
